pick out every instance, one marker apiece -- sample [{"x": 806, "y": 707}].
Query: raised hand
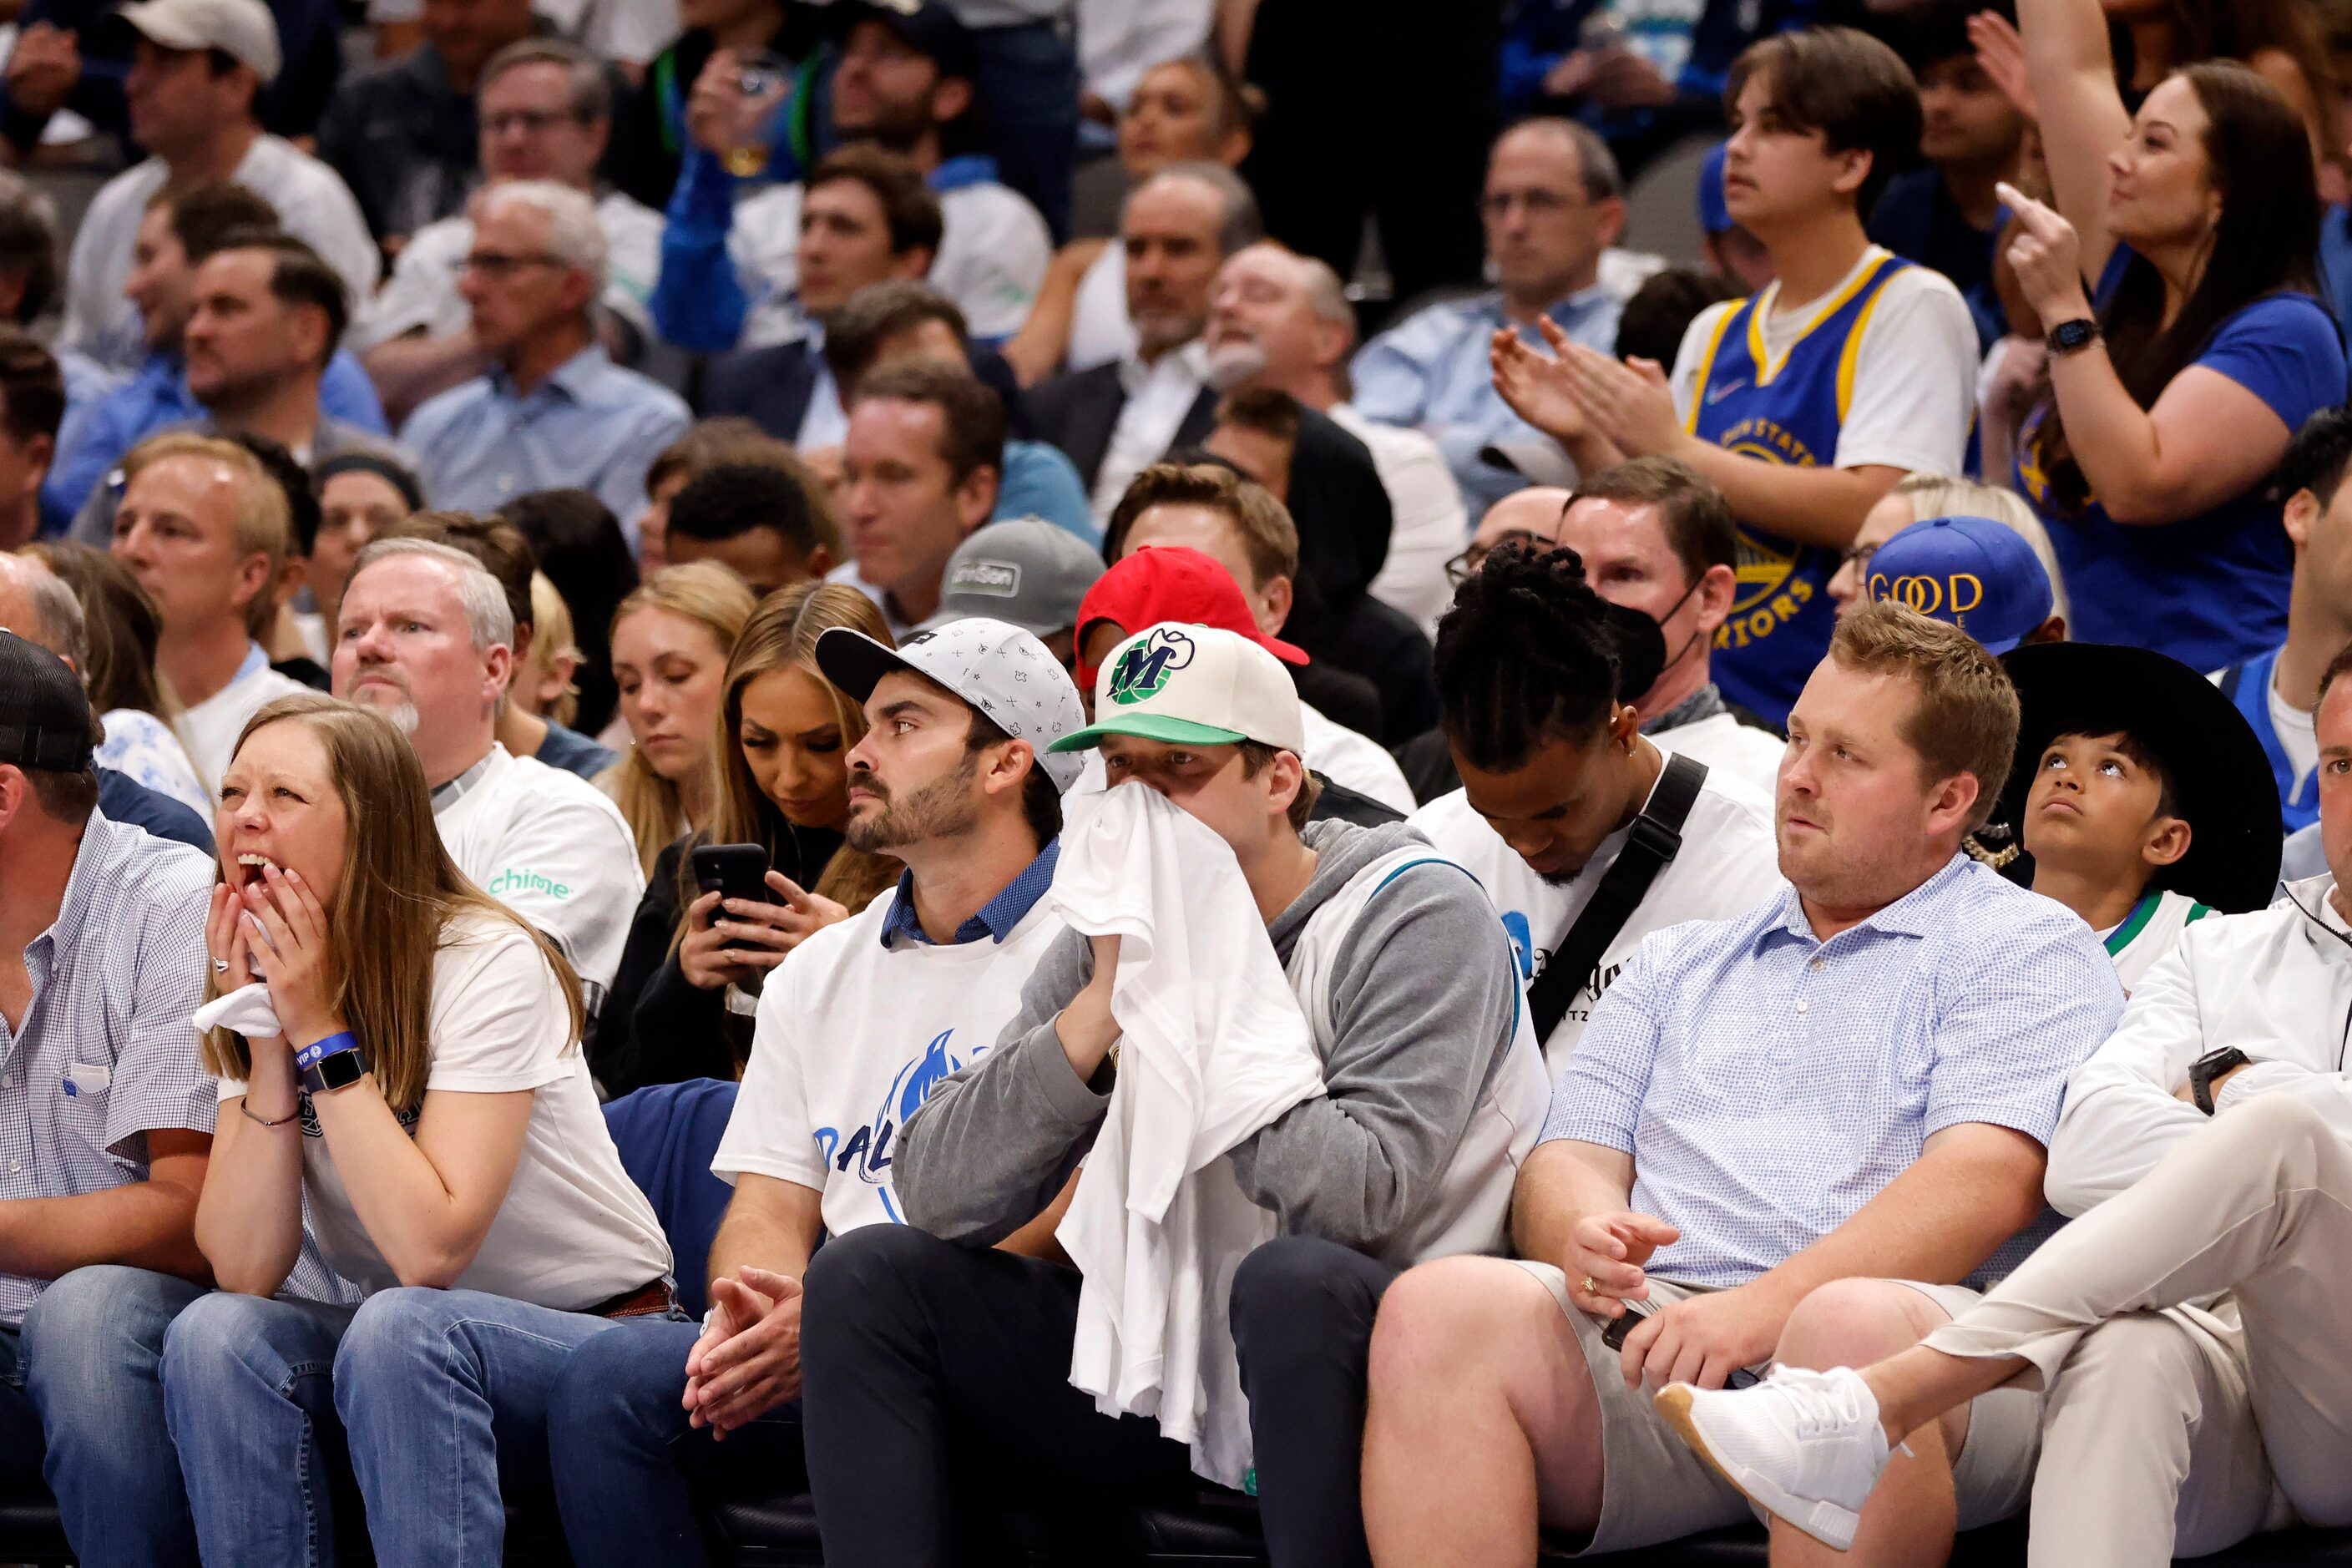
[
  {"x": 282, "y": 919},
  {"x": 2001, "y": 51},
  {"x": 2047, "y": 257}
]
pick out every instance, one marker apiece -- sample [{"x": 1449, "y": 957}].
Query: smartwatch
[
  {"x": 2206, "y": 1068},
  {"x": 2071, "y": 337},
  {"x": 335, "y": 1062}
]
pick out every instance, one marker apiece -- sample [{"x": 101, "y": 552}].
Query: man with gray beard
[{"x": 423, "y": 635}]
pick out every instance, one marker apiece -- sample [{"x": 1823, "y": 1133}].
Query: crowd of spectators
[{"x": 1298, "y": 815}]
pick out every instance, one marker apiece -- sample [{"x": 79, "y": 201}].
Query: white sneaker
[{"x": 1806, "y": 1445}]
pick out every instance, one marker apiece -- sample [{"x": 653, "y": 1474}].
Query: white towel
[
  {"x": 1214, "y": 1048},
  {"x": 247, "y": 1010}
]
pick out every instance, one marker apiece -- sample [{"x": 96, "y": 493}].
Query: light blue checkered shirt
[
  {"x": 104, "y": 1052},
  {"x": 1768, "y": 1084}
]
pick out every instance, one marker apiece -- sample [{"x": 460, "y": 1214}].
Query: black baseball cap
[
  {"x": 924, "y": 24},
  {"x": 45, "y": 720}
]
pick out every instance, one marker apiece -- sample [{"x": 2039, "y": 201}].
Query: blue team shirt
[
  {"x": 2210, "y": 590},
  {"x": 1790, "y": 412}
]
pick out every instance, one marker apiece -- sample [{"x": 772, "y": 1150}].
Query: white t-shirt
[
  {"x": 2148, "y": 933},
  {"x": 550, "y": 845},
  {"x": 143, "y": 747},
  {"x": 1728, "y": 865},
  {"x": 1431, "y": 524},
  {"x": 1726, "y": 744},
  {"x": 573, "y": 1231},
  {"x": 1914, "y": 375},
  {"x": 993, "y": 251},
  {"x": 312, "y": 202},
  {"x": 422, "y": 292},
  {"x": 1361, "y": 762},
  {"x": 1100, "y": 332},
  {"x": 852, "y": 1039},
  {"x": 211, "y": 727}
]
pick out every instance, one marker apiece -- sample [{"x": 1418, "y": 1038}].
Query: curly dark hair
[{"x": 1527, "y": 653}]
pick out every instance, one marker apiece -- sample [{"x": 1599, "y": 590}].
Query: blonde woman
[
  {"x": 670, "y": 641},
  {"x": 782, "y": 740},
  {"x": 1917, "y": 496},
  {"x": 430, "y": 1106}
]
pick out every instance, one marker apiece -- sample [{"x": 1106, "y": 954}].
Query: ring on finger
[
  {"x": 220, "y": 967},
  {"x": 1592, "y": 1286}
]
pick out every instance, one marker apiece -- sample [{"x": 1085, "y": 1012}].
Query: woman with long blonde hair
[
  {"x": 397, "y": 1052},
  {"x": 670, "y": 642},
  {"x": 782, "y": 738}
]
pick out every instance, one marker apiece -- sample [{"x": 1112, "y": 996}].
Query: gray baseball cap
[
  {"x": 1024, "y": 570},
  {"x": 998, "y": 667},
  {"x": 242, "y": 29}
]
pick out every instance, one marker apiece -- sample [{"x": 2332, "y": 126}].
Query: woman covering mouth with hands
[{"x": 431, "y": 1105}]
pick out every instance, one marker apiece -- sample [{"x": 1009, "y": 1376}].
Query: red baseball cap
[{"x": 1171, "y": 583}]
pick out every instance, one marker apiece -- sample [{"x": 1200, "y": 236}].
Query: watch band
[
  {"x": 2071, "y": 337},
  {"x": 335, "y": 1062},
  {"x": 2206, "y": 1068}
]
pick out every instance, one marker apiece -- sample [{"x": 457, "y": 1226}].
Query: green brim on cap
[{"x": 1148, "y": 727}]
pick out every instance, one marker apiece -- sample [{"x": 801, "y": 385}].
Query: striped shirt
[
  {"x": 103, "y": 1053},
  {"x": 1769, "y": 1084}
]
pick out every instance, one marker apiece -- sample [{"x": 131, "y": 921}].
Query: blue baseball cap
[
  {"x": 1978, "y": 574},
  {"x": 1713, "y": 212}
]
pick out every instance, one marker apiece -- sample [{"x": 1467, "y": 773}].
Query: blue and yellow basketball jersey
[{"x": 1788, "y": 410}]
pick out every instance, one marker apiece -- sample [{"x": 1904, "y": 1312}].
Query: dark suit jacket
[
  {"x": 1078, "y": 411},
  {"x": 770, "y": 386}
]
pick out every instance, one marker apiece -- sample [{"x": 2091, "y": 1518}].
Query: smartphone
[
  {"x": 732, "y": 870},
  {"x": 1613, "y": 1336}
]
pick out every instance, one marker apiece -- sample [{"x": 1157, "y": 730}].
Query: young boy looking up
[{"x": 2141, "y": 795}]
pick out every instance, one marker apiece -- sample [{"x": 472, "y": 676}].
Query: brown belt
[{"x": 645, "y": 1301}]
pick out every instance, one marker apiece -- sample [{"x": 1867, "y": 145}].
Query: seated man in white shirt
[
  {"x": 1557, "y": 781},
  {"x": 546, "y": 112},
  {"x": 730, "y": 269},
  {"x": 424, "y": 635},
  {"x": 205, "y": 529},
  {"x": 1280, "y": 320},
  {"x": 953, "y": 779},
  {"x": 2204, "y": 1149},
  {"x": 196, "y": 65}
]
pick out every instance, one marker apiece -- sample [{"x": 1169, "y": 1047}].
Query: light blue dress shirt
[
  {"x": 1769, "y": 1084},
  {"x": 1430, "y": 372},
  {"x": 591, "y": 425}
]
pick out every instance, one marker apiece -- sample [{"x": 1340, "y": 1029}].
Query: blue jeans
[
  {"x": 624, "y": 1458},
  {"x": 80, "y": 1405},
  {"x": 440, "y": 1395}
]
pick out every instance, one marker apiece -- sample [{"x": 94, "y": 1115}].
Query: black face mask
[{"x": 1642, "y": 655}]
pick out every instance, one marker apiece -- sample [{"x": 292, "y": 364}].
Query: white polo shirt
[{"x": 1728, "y": 864}]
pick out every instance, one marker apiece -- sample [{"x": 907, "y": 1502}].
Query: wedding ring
[
  {"x": 1592, "y": 1286},
  {"x": 220, "y": 967}
]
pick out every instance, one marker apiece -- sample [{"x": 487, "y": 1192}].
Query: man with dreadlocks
[{"x": 1564, "y": 803}]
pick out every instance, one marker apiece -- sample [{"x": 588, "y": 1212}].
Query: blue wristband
[{"x": 317, "y": 1051}]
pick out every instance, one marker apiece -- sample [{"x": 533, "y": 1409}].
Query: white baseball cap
[
  {"x": 242, "y": 29},
  {"x": 1201, "y": 685},
  {"x": 998, "y": 668}
]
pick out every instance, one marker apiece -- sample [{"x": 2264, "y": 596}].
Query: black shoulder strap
[{"x": 1656, "y": 839}]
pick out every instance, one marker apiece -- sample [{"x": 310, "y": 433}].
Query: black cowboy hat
[{"x": 2220, "y": 776}]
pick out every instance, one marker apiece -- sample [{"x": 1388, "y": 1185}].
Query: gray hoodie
[{"x": 1425, "y": 998}]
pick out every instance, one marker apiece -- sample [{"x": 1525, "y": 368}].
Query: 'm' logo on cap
[
  {"x": 1144, "y": 669},
  {"x": 1955, "y": 594}
]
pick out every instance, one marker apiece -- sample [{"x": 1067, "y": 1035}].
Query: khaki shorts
[{"x": 1653, "y": 1487}]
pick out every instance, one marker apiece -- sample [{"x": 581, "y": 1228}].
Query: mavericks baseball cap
[
  {"x": 1193, "y": 684},
  {"x": 1971, "y": 572},
  {"x": 44, "y": 723},
  {"x": 242, "y": 29},
  {"x": 998, "y": 668},
  {"x": 1025, "y": 571}
]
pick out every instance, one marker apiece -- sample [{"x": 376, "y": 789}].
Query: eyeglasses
[
  {"x": 496, "y": 265},
  {"x": 533, "y": 120},
  {"x": 1858, "y": 557},
  {"x": 1465, "y": 566}
]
